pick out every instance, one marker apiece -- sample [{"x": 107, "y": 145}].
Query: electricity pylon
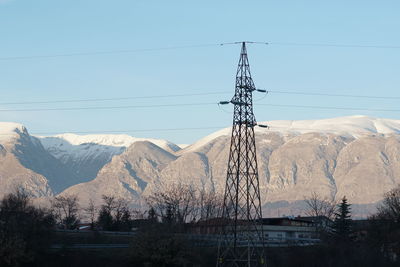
[{"x": 242, "y": 241}]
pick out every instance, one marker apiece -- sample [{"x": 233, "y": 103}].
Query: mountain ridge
[{"x": 356, "y": 156}]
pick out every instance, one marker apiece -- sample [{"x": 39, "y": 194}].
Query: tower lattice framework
[{"x": 242, "y": 242}]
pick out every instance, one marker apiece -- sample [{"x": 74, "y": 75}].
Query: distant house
[
  {"x": 294, "y": 230},
  {"x": 321, "y": 222},
  {"x": 277, "y": 231}
]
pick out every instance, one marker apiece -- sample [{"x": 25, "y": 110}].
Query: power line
[
  {"x": 130, "y": 131},
  {"x": 110, "y": 99},
  {"x": 327, "y": 107},
  {"x": 247, "y": 42},
  {"x": 188, "y": 105},
  {"x": 334, "y": 45},
  {"x": 192, "y": 94},
  {"x": 290, "y": 128},
  {"x": 110, "y": 52},
  {"x": 315, "y": 44},
  {"x": 127, "y": 51},
  {"x": 106, "y": 107},
  {"x": 332, "y": 95}
]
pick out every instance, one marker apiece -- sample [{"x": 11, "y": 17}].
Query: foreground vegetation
[{"x": 28, "y": 234}]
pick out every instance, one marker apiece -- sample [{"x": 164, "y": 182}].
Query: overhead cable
[
  {"x": 331, "y": 95},
  {"x": 191, "y": 105},
  {"x": 109, "y": 52},
  {"x": 334, "y": 45},
  {"x": 110, "y": 99},
  {"x": 195, "y": 94},
  {"x": 105, "y": 107},
  {"x": 127, "y": 51},
  {"x": 330, "y": 107},
  {"x": 130, "y": 131}
]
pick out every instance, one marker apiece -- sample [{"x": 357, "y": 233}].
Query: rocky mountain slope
[
  {"x": 127, "y": 175},
  {"x": 355, "y": 156},
  {"x": 15, "y": 171}
]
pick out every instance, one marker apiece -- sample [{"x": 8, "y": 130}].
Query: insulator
[
  {"x": 263, "y": 126},
  {"x": 223, "y": 102},
  {"x": 261, "y": 90}
]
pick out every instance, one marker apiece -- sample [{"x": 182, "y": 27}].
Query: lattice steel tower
[{"x": 241, "y": 242}]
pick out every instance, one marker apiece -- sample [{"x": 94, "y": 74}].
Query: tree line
[
  {"x": 175, "y": 204},
  {"x": 26, "y": 230}
]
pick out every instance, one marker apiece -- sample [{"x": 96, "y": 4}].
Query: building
[
  {"x": 278, "y": 232},
  {"x": 289, "y": 231}
]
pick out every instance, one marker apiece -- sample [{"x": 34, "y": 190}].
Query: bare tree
[
  {"x": 114, "y": 214},
  {"x": 210, "y": 204},
  {"x": 389, "y": 209},
  {"x": 181, "y": 203},
  {"x": 318, "y": 206},
  {"x": 177, "y": 203},
  {"x": 122, "y": 214},
  {"x": 321, "y": 208},
  {"x": 385, "y": 223},
  {"x": 66, "y": 209},
  {"x": 91, "y": 211},
  {"x": 139, "y": 214}
]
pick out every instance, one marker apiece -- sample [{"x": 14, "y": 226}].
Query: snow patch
[
  {"x": 351, "y": 126},
  {"x": 115, "y": 140},
  {"x": 11, "y": 130},
  {"x": 86, "y": 146}
]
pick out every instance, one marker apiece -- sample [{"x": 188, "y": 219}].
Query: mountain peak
[
  {"x": 10, "y": 130},
  {"x": 350, "y": 125},
  {"x": 114, "y": 140}
]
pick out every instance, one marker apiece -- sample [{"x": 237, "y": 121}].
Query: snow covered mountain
[
  {"x": 48, "y": 165},
  {"x": 356, "y": 156},
  {"x": 21, "y": 162},
  {"x": 127, "y": 175},
  {"x": 350, "y": 126},
  {"x": 107, "y": 140},
  {"x": 85, "y": 155}
]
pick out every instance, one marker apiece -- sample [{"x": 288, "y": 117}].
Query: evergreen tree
[{"x": 342, "y": 223}]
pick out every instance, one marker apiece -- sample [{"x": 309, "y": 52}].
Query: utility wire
[
  {"x": 110, "y": 52},
  {"x": 331, "y": 95},
  {"x": 110, "y": 99},
  {"x": 126, "y": 51},
  {"x": 272, "y": 128},
  {"x": 194, "y": 94},
  {"x": 130, "y": 131},
  {"x": 333, "y": 45},
  {"x": 191, "y": 105},
  {"x": 107, "y": 107},
  {"x": 247, "y": 42},
  {"x": 315, "y": 44},
  {"x": 327, "y": 107}
]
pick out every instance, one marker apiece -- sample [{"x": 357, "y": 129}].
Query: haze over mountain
[{"x": 355, "y": 156}]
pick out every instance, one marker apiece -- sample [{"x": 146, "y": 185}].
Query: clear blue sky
[{"x": 47, "y": 27}]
